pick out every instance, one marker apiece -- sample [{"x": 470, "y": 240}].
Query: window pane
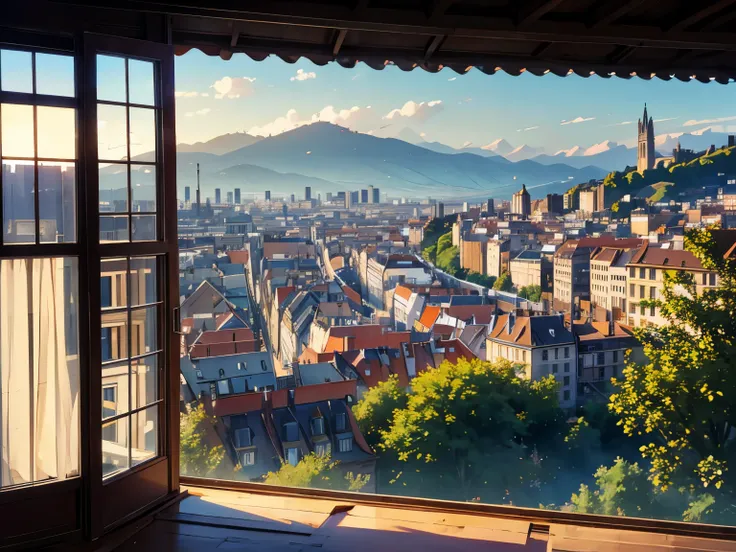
[
  {"x": 145, "y": 435},
  {"x": 114, "y": 341},
  {"x": 57, "y": 137},
  {"x": 144, "y": 381},
  {"x": 143, "y": 188},
  {"x": 143, "y": 280},
  {"x": 57, "y": 203},
  {"x": 17, "y": 71},
  {"x": 112, "y": 133},
  {"x": 115, "y": 453},
  {"x": 19, "y": 219},
  {"x": 113, "y": 229},
  {"x": 110, "y": 78},
  {"x": 113, "y": 188},
  {"x": 144, "y": 227},
  {"x": 17, "y": 131},
  {"x": 55, "y": 75},
  {"x": 140, "y": 82},
  {"x": 39, "y": 370},
  {"x": 114, "y": 389},
  {"x": 114, "y": 283},
  {"x": 142, "y": 134},
  {"x": 144, "y": 335}
]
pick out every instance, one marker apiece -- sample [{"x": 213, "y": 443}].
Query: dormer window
[
  {"x": 199, "y": 375},
  {"x": 318, "y": 426},
  {"x": 222, "y": 372},
  {"x": 340, "y": 422},
  {"x": 264, "y": 366},
  {"x": 241, "y": 365},
  {"x": 291, "y": 432},
  {"x": 242, "y": 438}
]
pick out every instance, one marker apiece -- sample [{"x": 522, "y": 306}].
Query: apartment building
[
  {"x": 542, "y": 344},
  {"x": 498, "y": 253},
  {"x": 608, "y": 276}
]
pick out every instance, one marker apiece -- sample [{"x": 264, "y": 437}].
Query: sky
[{"x": 215, "y": 97}]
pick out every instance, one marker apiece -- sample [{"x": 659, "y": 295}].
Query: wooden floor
[{"x": 209, "y": 520}]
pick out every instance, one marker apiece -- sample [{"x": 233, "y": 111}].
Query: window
[
  {"x": 340, "y": 422},
  {"x": 292, "y": 456},
  {"x": 641, "y": 292},
  {"x": 632, "y": 290},
  {"x": 545, "y": 354},
  {"x": 642, "y": 273},
  {"x": 554, "y": 368},
  {"x": 601, "y": 358},
  {"x": 712, "y": 279},
  {"x": 242, "y": 437},
  {"x": 557, "y": 353},
  {"x": 291, "y": 432},
  {"x": 615, "y": 356},
  {"x": 566, "y": 395},
  {"x": 567, "y": 367},
  {"x": 345, "y": 443},
  {"x": 318, "y": 426},
  {"x": 652, "y": 274},
  {"x": 652, "y": 292},
  {"x": 523, "y": 356},
  {"x": 651, "y": 310},
  {"x": 106, "y": 291},
  {"x": 566, "y": 381},
  {"x": 322, "y": 448},
  {"x": 632, "y": 272},
  {"x": 567, "y": 352},
  {"x": 247, "y": 457}
]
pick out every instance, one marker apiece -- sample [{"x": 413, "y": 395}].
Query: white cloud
[
  {"x": 422, "y": 134},
  {"x": 186, "y": 94},
  {"x": 356, "y": 76},
  {"x": 577, "y": 120},
  {"x": 355, "y": 118},
  {"x": 693, "y": 122},
  {"x": 452, "y": 79},
  {"x": 666, "y": 119},
  {"x": 527, "y": 128},
  {"x": 622, "y": 123},
  {"x": 418, "y": 111},
  {"x": 466, "y": 144},
  {"x": 233, "y": 87},
  {"x": 302, "y": 75},
  {"x": 204, "y": 111}
]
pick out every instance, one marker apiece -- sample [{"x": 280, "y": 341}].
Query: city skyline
[{"x": 216, "y": 97}]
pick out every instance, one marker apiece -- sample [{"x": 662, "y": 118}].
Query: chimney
[{"x": 611, "y": 323}]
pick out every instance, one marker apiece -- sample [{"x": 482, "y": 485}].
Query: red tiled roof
[
  {"x": 403, "y": 292},
  {"x": 310, "y": 356},
  {"x": 666, "y": 258},
  {"x": 238, "y": 257},
  {"x": 429, "y": 316},
  {"x": 282, "y": 293},
  {"x": 290, "y": 249},
  {"x": 351, "y": 294},
  {"x": 237, "y": 404},
  {"x": 482, "y": 313},
  {"x": 334, "y": 390},
  {"x": 520, "y": 333},
  {"x": 442, "y": 330},
  {"x": 200, "y": 350},
  {"x": 224, "y": 336},
  {"x": 352, "y": 338}
]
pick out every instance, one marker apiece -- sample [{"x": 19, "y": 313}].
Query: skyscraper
[
  {"x": 237, "y": 196},
  {"x": 370, "y": 195},
  {"x": 349, "y": 200},
  {"x": 363, "y": 196},
  {"x": 645, "y": 152},
  {"x": 374, "y": 195},
  {"x": 307, "y": 193},
  {"x": 293, "y": 198},
  {"x": 229, "y": 198},
  {"x": 521, "y": 203},
  {"x": 490, "y": 207},
  {"x": 187, "y": 194},
  {"x": 218, "y": 196},
  {"x": 268, "y": 195},
  {"x": 199, "y": 197}
]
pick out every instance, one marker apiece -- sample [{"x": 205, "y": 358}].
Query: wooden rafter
[
  {"x": 701, "y": 14},
  {"x": 339, "y": 39},
  {"x": 530, "y": 14},
  {"x": 433, "y": 45},
  {"x": 612, "y": 11}
]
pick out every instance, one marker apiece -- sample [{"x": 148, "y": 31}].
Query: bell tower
[{"x": 645, "y": 144}]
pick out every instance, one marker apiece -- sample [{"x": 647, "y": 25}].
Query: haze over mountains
[{"x": 331, "y": 158}]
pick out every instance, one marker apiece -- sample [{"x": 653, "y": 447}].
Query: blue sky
[{"x": 217, "y": 97}]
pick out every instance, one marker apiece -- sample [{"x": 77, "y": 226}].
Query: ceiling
[{"x": 644, "y": 38}]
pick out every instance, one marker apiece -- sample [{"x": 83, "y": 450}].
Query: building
[
  {"x": 229, "y": 196},
  {"x": 237, "y": 196},
  {"x": 473, "y": 253},
  {"x": 376, "y": 195},
  {"x": 267, "y": 196},
  {"x": 384, "y": 273},
  {"x": 239, "y": 225},
  {"x": 187, "y": 194},
  {"x": 531, "y": 268},
  {"x": 645, "y": 154},
  {"x": 371, "y": 195},
  {"x": 645, "y": 280},
  {"x": 521, "y": 203},
  {"x": 407, "y": 308},
  {"x": 588, "y": 201},
  {"x": 608, "y": 274},
  {"x": 542, "y": 344},
  {"x": 555, "y": 203},
  {"x": 307, "y": 193},
  {"x": 490, "y": 208},
  {"x": 498, "y": 257},
  {"x": 218, "y": 196}
]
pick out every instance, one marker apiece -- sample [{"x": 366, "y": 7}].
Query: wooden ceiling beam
[
  {"x": 433, "y": 45},
  {"x": 612, "y": 11},
  {"x": 620, "y": 54},
  {"x": 537, "y": 10},
  {"x": 339, "y": 39},
  {"x": 703, "y": 13}
]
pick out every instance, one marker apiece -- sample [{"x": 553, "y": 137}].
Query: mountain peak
[
  {"x": 595, "y": 149},
  {"x": 499, "y": 146}
]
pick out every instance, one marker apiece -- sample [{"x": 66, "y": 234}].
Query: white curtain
[{"x": 39, "y": 384}]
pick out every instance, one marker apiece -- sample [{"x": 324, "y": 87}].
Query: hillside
[{"x": 221, "y": 144}]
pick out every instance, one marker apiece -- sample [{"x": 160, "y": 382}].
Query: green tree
[
  {"x": 532, "y": 292},
  {"x": 480, "y": 279},
  {"x": 198, "y": 456},
  {"x": 430, "y": 253},
  {"x": 504, "y": 282},
  {"x": 682, "y": 399},
  {"x": 445, "y": 242},
  {"x": 474, "y": 424},
  {"x": 318, "y": 471},
  {"x": 375, "y": 410}
]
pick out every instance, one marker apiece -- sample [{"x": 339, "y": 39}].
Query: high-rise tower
[{"x": 645, "y": 146}]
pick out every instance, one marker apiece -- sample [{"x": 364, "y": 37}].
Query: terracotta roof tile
[
  {"x": 429, "y": 316},
  {"x": 403, "y": 292}
]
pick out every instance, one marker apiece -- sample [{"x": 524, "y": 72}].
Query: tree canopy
[
  {"x": 198, "y": 457},
  {"x": 532, "y": 292},
  {"x": 504, "y": 282},
  {"x": 318, "y": 471}
]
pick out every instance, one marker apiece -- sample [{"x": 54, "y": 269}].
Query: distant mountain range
[{"x": 331, "y": 158}]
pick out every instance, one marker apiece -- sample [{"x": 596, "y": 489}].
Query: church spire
[{"x": 645, "y": 119}]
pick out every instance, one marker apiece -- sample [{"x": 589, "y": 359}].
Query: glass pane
[
  {"x": 114, "y": 283},
  {"x": 143, "y": 277},
  {"x": 144, "y": 381},
  {"x": 144, "y": 441},
  {"x": 57, "y": 202},
  {"x": 17, "y": 131},
  {"x": 113, "y": 188},
  {"x": 110, "y": 78},
  {"x": 115, "y": 453},
  {"x": 142, "y": 134},
  {"x": 144, "y": 227},
  {"x": 39, "y": 370},
  {"x": 114, "y": 339},
  {"x": 17, "y": 71},
  {"x": 143, "y": 188},
  {"x": 140, "y": 82},
  {"x": 114, "y": 229},
  {"x": 112, "y": 133},
  {"x": 55, "y": 75},
  {"x": 57, "y": 137},
  {"x": 114, "y": 389},
  {"x": 144, "y": 334},
  {"x": 19, "y": 219}
]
